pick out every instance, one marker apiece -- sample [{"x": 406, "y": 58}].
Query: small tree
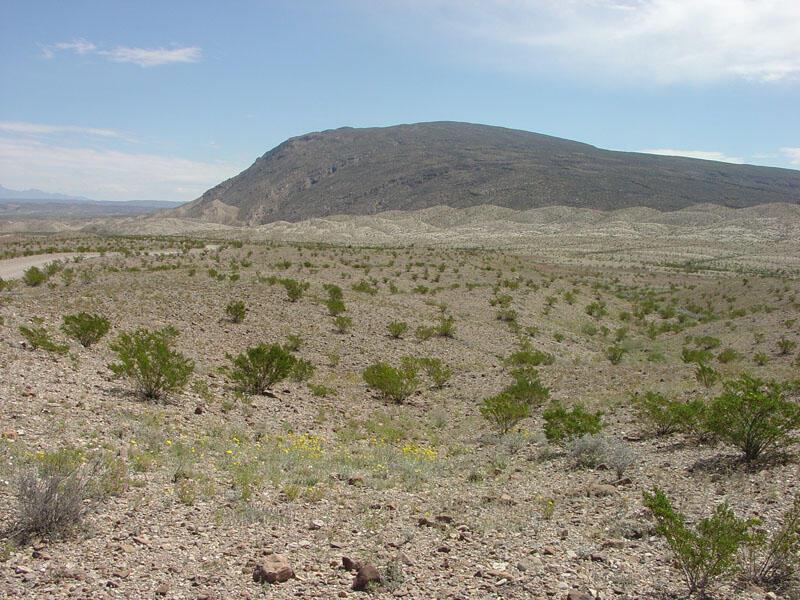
[
  {"x": 394, "y": 384},
  {"x": 236, "y": 311},
  {"x": 260, "y": 367},
  {"x": 146, "y": 357},
  {"x": 705, "y": 554},
  {"x": 85, "y": 328},
  {"x": 754, "y": 416}
]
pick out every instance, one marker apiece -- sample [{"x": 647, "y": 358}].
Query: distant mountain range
[
  {"x": 36, "y": 203},
  {"x": 411, "y": 167}
]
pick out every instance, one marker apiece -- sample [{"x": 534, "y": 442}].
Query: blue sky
[{"x": 161, "y": 100}]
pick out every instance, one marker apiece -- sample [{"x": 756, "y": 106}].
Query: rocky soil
[{"x": 215, "y": 493}]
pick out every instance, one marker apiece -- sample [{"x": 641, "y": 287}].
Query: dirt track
[{"x": 13, "y": 268}]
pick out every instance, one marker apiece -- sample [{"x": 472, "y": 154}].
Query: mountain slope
[{"x": 410, "y": 167}]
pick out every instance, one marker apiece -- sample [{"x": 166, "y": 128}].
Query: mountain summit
[{"x": 409, "y": 167}]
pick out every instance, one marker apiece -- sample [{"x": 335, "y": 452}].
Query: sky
[{"x": 140, "y": 100}]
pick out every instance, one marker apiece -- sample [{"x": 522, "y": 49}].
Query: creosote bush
[
  {"x": 664, "y": 416},
  {"x": 236, "y": 311},
  {"x": 394, "y": 384},
  {"x": 34, "y": 276},
  {"x": 397, "y": 329},
  {"x": 514, "y": 402},
  {"x": 38, "y": 337},
  {"x": 85, "y": 328},
  {"x": 773, "y": 559},
  {"x": 706, "y": 553},
  {"x": 754, "y": 416},
  {"x": 260, "y": 367},
  {"x": 561, "y": 425},
  {"x": 146, "y": 357}
]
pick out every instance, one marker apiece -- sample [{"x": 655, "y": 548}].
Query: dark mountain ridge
[{"x": 410, "y": 167}]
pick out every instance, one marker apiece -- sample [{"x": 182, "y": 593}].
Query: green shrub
[
  {"x": 394, "y": 384},
  {"x": 706, "y": 553},
  {"x": 3, "y": 284},
  {"x": 507, "y": 315},
  {"x": 561, "y": 425},
  {"x": 342, "y": 323},
  {"x": 786, "y": 346},
  {"x": 38, "y": 337},
  {"x": 146, "y": 357},
  {"x": 260, "y": 367},
  {"x": 334, "y": 291},
  {"x": 705, "y": 375},
  {"x": 34, "y": 276},
  {"x": 660, "y": 414},
  {"x": 596, "y": 309},
  {"x": 689, "y": 355},
  {"x": 707, "y": 342},
  {"x": 335, "y": 307},
  {"x": 397, "y": 329},
  {"x": 754, "y": 416},
  {"x": 236, "y": 311},
  {"x": 85, "y": 328},
  {"x": 614, "y": 354},
  {"x": 320, "y": 390},
  {"x": 527, "y": 357},
  {"x": 294, "y": 288},
  {"x": 365, "y": 287},
  {"x": 504, "y": 411},
  {"x": 774, "y": 559},
  {"x": 728, "y": 355},
  {"x": 445, "y": 327},
  {"x": 760, "y": 359},
  {"x": 527, "y": 388},
  {"x": 423, "y": 333},
  {"x": 293, "y": 342},
  {"x": 438, "y": 373},
  {"x": 303, "y": 370}
]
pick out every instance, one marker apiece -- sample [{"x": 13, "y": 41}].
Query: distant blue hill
[{"x": 36, "y": 203}]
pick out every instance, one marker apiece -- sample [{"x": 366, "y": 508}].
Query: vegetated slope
[{"x": 410, "y": 167}]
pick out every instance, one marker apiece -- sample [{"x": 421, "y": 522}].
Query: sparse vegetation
[
  {"x": 85, "y": 328},
  {"x": 260, "y": 367}
]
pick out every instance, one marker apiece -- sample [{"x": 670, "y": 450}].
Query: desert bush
[
  {"x": 689, "y": 355},
  {"x": 706, "y": 553},
  {"x": 146, "y": 357},
  {"x": 707, "y": 342},
  {"x": 596, "y": 309},
  {"x": 342, "y": 323},
  {"x": 614, "y": 354},
  {"x": 85, "y": 328},
  {"x": 364, "y": 287},
  {"x": 705, "y": 375},
  {"x": 423, "y": 333},
  {"x": 527, "y": 357},
  {"x": 397, "y": 329},
  {"x": 507, "y": 315},
  {"x": 260, "y": 367},
  {"x": 236, "y": 311},
  {"x": 38, "y": 337},
  {"x": 754, "y": 416},
  {"x": 445, "y": 327},
  {"x": 527, "y": 388},
  {"x": 303, "y": 370},
  {"x": 504, "y": 411},
  {"x": 587, "y": 451},
  {"x": 293, "y": 342},
  {"x": 774, "y": 559},
  {"x": 394, "y": 384},
  {"x": 294, "y": 289},
  {"x": 3, "y": 284},
  {"x": 561, "y": 425},
  {"x": 727, "y": 355},
  {"x": 33, "y": 277},
  {"x": 335, "y": 306},
  {"x": 50, "y": 504},
  {"x": 760, "y": 359},
  {"x": 785, "y": 346},
  {"x": 334, "y": 291},
  {"x": 438, "y": 373},
  {"x": 660, "y": 414}
]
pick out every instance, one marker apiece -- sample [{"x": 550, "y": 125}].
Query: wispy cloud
[
  {"x": 662, "y": 41},
  {"x": 22, "y": 127},
  {"x": 144, "y": 57},
  {"x": 793, "y": 155},
  {"x": 105, "y": 173},
  {"x": 702, "y": 154}
]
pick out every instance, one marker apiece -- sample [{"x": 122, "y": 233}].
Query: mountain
[
  {"x": 410, "y": 167},
  {"x": 8, "y": 194}
]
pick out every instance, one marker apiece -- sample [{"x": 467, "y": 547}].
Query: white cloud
[
  {"x": 793, "y": 155},
  {"x": 22, "y": 127},
  {"x": 662, "y": 41},
  {"x": 144, "y": 57},
  {"x": 702, "y": 154},
  {"x": 105, "y": 174},
  {"x": 151, "y": 57}
]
